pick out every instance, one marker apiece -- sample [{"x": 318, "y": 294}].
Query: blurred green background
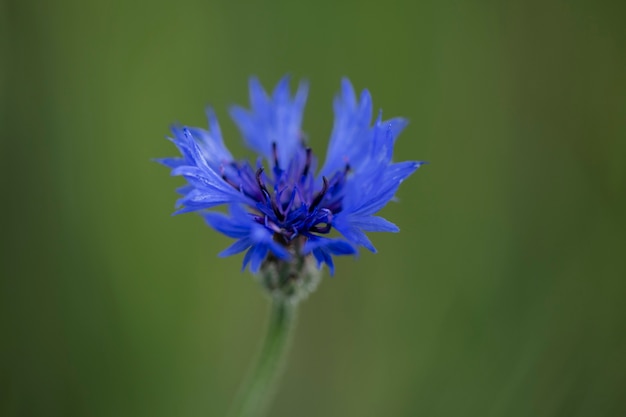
[{"x": 502, "y": 296}]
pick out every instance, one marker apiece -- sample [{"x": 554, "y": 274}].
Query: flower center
[{"x": 290, "y": 201}]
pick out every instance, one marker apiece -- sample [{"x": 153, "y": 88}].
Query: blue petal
[
  {"x": 399, "y": 171},
  {"x": 321, "y": 256},
  {"x": 250, "y": 234},
  {"x": 258, "y": 97},
  {"x": 347, "y": 93},
  {"x": 201, "y": 199},
  {"x": 351, "y": 232},
  {"x": 396, "y": 125},
  {"x": 372, "y": 187},
  {"x": 350, "y": 138},
  {"x": 170, "y": 162},
  {"x": 237, "y": 247},
  {"x": 211, "y": 144},
  {"x": 374, "y": 224},
  {"x": 185, "y": 189},
  {"x": 183, "y": 142},
  {"x": 264, "y": 236},
  {"x": 214, "y": 126},
  {"x": 323, "y": 249},
  {"x": 334, "y": 246},
  {"x": 372, "y": 197},
  {"x": 272, "y": 120},
  {"x": 233, "y": 226},
  {"x": 210, "y": 184},
  {"x": 255, "y": 256}
]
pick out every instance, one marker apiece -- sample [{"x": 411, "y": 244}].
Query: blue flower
[{"x": 280, "y": 209}]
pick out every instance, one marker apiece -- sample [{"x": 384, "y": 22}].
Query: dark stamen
[
  {"x": 321, "y": 229},
  {"x": 267, "y": 195},
  {"x": 262, "y": 187},
  {"x": 277, "y": 211},
  {"x": 318, "y": 198},
  {"x": 307, "y": 165},
  {"x": 275, "y": 154},
  {"x": 229, "y": 182}
]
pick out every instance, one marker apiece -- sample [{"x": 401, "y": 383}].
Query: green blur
[{"x": 503, "y": 295}]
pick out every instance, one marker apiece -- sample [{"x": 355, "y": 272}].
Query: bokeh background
[{"x": 504, "y": 294}]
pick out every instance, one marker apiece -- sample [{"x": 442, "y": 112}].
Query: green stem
[{"x": 258, "y": 391}]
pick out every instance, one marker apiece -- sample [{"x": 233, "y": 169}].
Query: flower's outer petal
[
  {"x": 203, "y": 154},
  {"x": 374, "y": 224},
  {"x": 255, "y": 256},
  {"x": 182, "y": 140},
  {"x": 369, "y": 190},
  {"x": 206, "y": 180},
  {"x": 191, "y": 148},
  {"x": 347, "y": 94},
  {"x": 211, "y": 143},
  {"x": 350, "y": 138},
  {"x": 323, "y": 248},
  {"x": 352, "y": 232},
  {"x": 366, "y": 182},
  {"x": 384, "y": 189},
  {"x": 263, "y": 236},
  {"x": 214, "y": 127},
  {"x": 184, "y": 189},
  {"x": 319, "y": 258},
  {"x": 170, "y": 162},
  {"x": 209, "y": 189},
  {"x": 323, "y": 256},
  {"x": 396, "y": 125},
  {"x": 258, "y": 97},
  {"x": 234, "y": 226},
  {"x": 249, "y": 234},
  {"x": 273, "y": 120},
  {"x": 334, "y": 246},
  {"x": 399, "y": 171},
  {"x": 258, "y": 252},
  {"x": 237, "y": 247},
  {"x": 372, "y": 187},
  {"x": 201, "y": 178},
  {"x": 201, "y": 199}
]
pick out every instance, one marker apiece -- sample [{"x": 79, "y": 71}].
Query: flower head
[{"x": 281, "y": 208}]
